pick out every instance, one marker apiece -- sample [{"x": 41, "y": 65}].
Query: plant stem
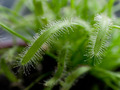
[
  {"x": 115, "y": 26},
  {"x": 14, "y": 33}
]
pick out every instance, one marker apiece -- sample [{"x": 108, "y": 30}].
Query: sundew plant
[{"x": 60, "y": 45}]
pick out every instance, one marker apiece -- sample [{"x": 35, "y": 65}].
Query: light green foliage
[{"x": 82, "y": 36}]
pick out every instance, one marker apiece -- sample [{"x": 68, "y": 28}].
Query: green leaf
[
  {"x": 69, "y": 81},
  {"x": 62, "y": 64},
  {"x": 6, "y": 70}
]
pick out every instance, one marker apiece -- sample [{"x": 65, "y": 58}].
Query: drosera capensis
[
  {"x": 64, "y": 56},
  {"x": 70, "y": 79},
  {"x": 99, "y": 38},
  {"x": 62, "y": 67},
  {"x": 35, "y": 50}
]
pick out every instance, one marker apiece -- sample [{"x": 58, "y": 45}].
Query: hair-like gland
[
  {"x": 99, "y": 38},
  {"x": 36, "y": 48}
]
